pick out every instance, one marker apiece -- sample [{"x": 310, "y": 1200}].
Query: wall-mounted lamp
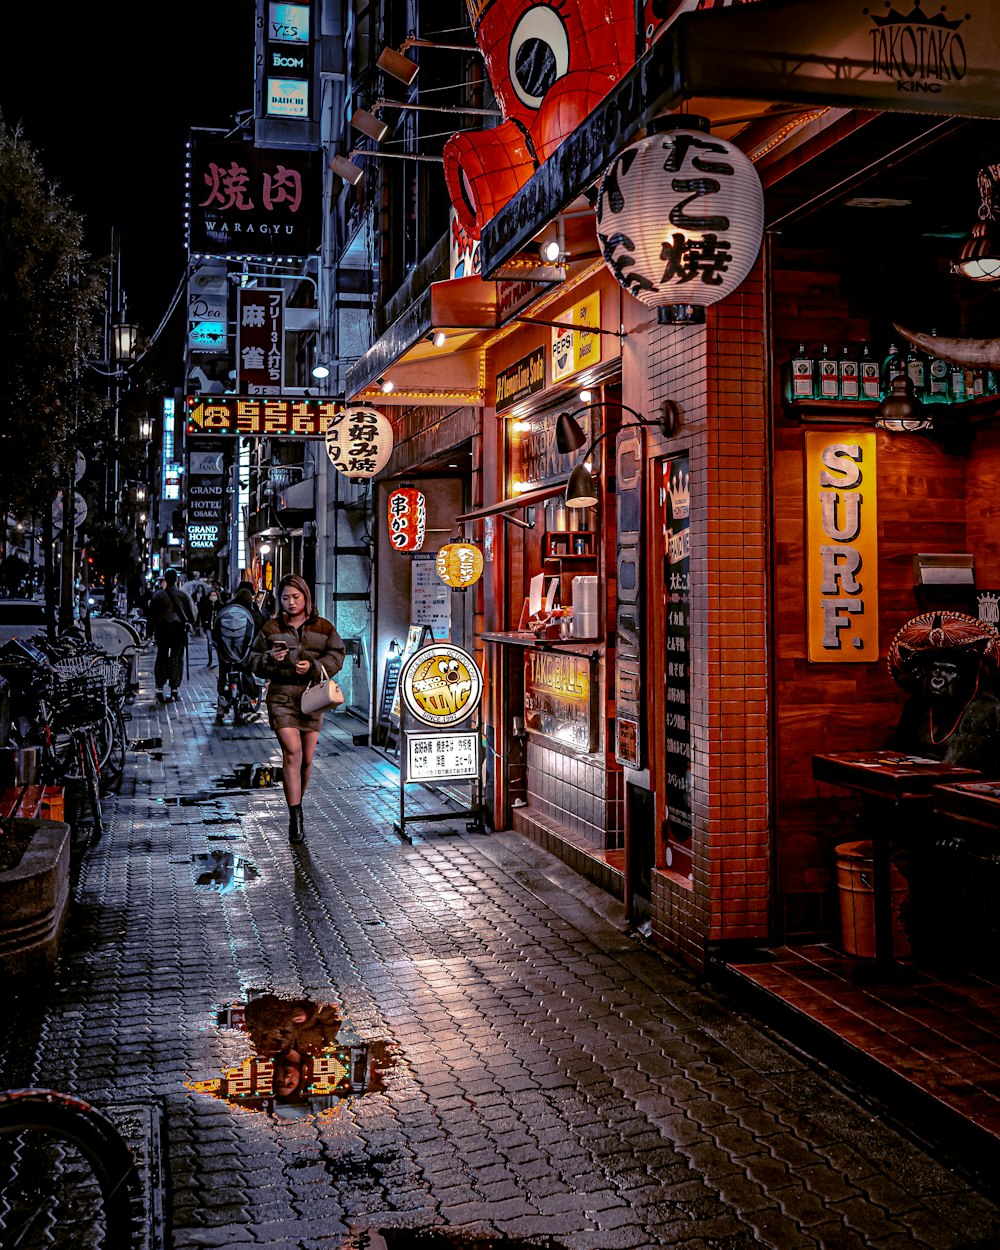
[
  {"x": 265, "y": 549},
  {"x": 979, "y": 259},
  {"x": 437, "y": 337},
  {"x": 370, "y": 125},
  {"x": 321, "y": 369},
  {"x": 347, "y": 170},
  {"x": 385, "y": 385},
  {"x": 581, "y": 489},
  {"x": 404, "y": 68},
  {"x": 901, "y": 411}
]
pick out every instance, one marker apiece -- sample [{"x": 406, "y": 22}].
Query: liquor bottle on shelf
[
  {"x": 826, "y": 365},
  {"x": 978, "y": 383},
  {"x": 871, "y": 382},
  {"x": 893, "y": 366},
  {"x": 803, "y": 374},
  {"x": 916, "y": 370},
  {"x": 956, "y": 384},
  {"x": 937, "y": 379},
  {"x": 850, "y": 374}
]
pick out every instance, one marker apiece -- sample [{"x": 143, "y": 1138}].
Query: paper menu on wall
[{"x": 430, "y": 597}]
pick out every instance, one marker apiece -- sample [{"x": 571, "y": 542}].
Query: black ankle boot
[{"x": 296, "y": 832}]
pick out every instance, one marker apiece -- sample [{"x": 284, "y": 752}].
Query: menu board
[
  {"x": 442, "y": 757},
  {"x": 430, "y": 597},
  {"x": 676, "y": 508}
]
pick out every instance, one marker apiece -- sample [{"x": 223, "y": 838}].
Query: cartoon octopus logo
[{"x": 441, "y": 685}]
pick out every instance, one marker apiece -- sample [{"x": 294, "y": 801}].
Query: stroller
[{"x": 238, "y": 689}]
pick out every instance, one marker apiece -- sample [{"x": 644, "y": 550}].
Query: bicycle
[
  {"x": 71, "y": 717},
  {"x": 67, "y": 1177}
]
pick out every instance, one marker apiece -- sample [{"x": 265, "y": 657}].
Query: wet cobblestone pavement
[{"x": 543, "y": 1078}]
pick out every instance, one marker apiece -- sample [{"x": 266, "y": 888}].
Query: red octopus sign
[{"x": 550, "y": 65}]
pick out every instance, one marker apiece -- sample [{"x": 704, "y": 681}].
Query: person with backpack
[
  {"x": 171, "y": 617},
  {"x": 236, "y": 625}
]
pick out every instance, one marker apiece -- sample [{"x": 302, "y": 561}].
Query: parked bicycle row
[{"x": 68, "y": 719}]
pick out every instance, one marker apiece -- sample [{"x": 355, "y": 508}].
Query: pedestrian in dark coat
[
  {"x": 171, "y": 617},
  {"x": 209, "y": 607},
  {"x": 294, "y": 649}
]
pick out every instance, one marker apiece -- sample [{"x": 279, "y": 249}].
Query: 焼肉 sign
[{"x": 841, "y": 548}]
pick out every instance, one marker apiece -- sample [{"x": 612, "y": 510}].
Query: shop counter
[{"x": 897, "y": 790}]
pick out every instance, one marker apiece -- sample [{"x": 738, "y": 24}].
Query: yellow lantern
[{"x": 459, "y": 564}]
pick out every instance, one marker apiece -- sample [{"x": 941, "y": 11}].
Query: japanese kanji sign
[
  {"x": 249, "y": 201},
  {"x": 260, "y": 353},
  {"x": 262, "y": 417}
]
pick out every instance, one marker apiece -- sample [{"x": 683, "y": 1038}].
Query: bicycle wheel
[
  {"x": 114, "y": 765},
  {"x": 92, "y": 778},
  {"x": 67, "y": 1178}
]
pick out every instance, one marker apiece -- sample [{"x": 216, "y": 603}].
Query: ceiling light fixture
[
  {"x": 439, "y": 339},
  {"x": 979, "y": 259},
  {"x": 385, "y": 385},
  {"x": 901, "y": 412}
]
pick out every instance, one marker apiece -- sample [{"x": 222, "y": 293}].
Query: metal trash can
[{"x": 855, "y": 877}]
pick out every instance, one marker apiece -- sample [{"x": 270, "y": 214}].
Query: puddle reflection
[
  {"x": 308, "y": 1059},
  {"x": 223, "y": 870}
]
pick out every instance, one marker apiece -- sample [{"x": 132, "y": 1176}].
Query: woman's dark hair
[{"x": 302, "y": 586}]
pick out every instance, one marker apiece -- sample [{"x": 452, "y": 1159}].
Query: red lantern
[{"x": 407, "y": 510}]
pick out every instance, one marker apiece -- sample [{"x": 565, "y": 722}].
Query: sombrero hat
[{"x": 934, "y": 633}]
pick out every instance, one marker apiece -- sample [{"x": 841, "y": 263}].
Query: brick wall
[{"x": 717, "y": 374}]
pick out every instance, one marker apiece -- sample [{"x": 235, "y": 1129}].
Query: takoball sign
[{"x": 921, "y": 52}]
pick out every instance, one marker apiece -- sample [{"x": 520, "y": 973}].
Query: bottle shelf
[{"x": 865, "y": 411}]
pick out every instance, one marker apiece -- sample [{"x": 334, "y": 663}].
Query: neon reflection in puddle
[
  {"x": 224, "y": 871},
  {"x": 307, "y": 1060}
]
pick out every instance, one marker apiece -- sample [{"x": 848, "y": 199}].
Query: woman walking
[
  {"x": 208, "y": 611},
  {"x": 293, "y": 649}
]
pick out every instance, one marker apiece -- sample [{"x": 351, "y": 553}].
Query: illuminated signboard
[
  {"x": 244, "y": 200},
  {"x": 441, "y": 685},
  {"x": 288, "y": 23},
  {"x": 287, "y": 97},
  {"x": 560, "y": 698},
  {"x": 210, "y": 335},
  {"x": 262, "y": 417}
]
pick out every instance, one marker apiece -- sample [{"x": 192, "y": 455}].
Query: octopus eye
[{"x": 539, "y": 54}]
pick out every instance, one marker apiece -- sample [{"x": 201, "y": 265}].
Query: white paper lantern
[
  {"x": 680, "y": 218},
  {"x": 359, "y": 442}
]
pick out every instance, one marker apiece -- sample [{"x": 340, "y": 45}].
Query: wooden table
[
  {"x": 976, "y": 802},
  {"x": 896, "y": 786}
]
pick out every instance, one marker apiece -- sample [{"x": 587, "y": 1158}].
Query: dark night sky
[{"x": 106, "y": 95}]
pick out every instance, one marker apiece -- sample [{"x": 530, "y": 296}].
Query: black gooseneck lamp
[{"x": 581, "y": 490}]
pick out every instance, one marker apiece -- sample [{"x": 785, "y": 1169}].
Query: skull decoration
[{"x": 550, "y": 64}]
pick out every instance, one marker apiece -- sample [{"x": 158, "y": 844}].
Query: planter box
[{"x": 34, "y": 897}]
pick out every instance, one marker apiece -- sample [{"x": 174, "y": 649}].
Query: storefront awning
[
  {"x": 834, "y": 53},
  {"x": 465, "y": 310}
]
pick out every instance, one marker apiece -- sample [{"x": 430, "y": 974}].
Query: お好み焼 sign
[{"x": 841, "y": 548}]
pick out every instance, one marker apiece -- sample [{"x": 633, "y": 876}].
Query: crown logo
[
  {"x": 916, "y": 16},
  {"x": 679, "y": 490},
  {"x": 989, "y": 608}
]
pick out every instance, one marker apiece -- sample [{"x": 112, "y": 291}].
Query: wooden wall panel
[{"x": 928, "y": 500}]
